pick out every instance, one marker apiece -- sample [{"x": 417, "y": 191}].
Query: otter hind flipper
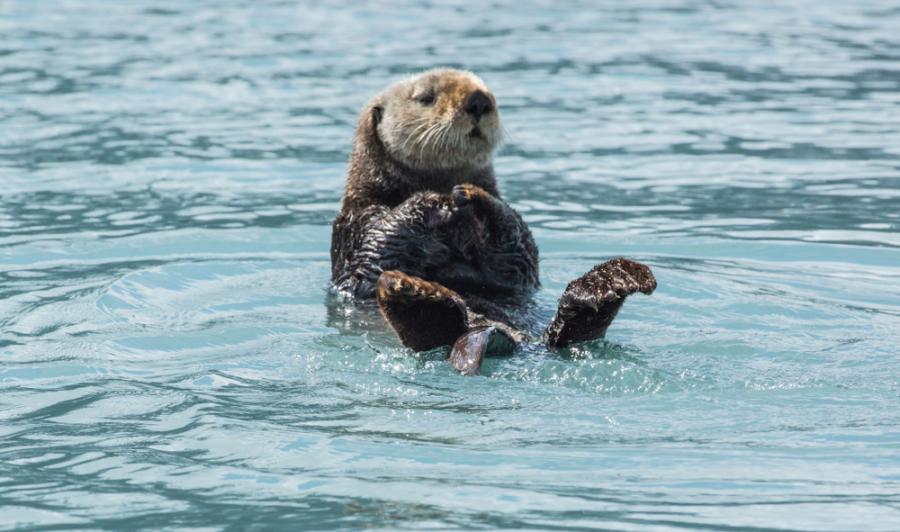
[
  {"x": 424, "y": 315},
  {"x": 591, "y": 302},
  {"x": 469, "y": 350}
]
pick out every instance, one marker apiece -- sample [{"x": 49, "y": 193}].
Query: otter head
[{"x": 439, "y": 119}]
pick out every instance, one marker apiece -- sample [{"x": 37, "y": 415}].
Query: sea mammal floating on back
[{"x": 422, "y": 229}]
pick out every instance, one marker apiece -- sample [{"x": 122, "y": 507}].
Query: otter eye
[{"x": 425, "y": 99}]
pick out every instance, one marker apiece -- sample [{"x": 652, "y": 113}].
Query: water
[{"x": 170, "y": 357}]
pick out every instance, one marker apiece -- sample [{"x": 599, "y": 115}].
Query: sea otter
[{"x": 424, "y": 231}]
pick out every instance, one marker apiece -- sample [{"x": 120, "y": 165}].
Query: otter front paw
[
  {"x": 469, "y": 194},
  {"x": 591, "y": 302},
  {"x": 424, "y": 315}
]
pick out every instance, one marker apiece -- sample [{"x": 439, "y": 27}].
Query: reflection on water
[{"x": 170, "y": 353}]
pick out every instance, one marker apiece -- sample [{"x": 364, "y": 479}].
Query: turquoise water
[{"x": 170, "y": 355}]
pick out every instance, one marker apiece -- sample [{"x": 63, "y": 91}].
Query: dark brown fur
[
  {"x": 449, "y": 225},
  {"x": 441, "y": 251}
]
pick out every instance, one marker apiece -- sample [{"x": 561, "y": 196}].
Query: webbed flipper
[
  {"x": 424, "y": 315},
  {"x": 591, "y": 302}
]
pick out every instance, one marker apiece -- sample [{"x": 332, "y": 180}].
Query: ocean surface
[{"x": 171, "y": 356}]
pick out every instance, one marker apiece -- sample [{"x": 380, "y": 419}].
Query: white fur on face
[{"x": 438, "y": 134}]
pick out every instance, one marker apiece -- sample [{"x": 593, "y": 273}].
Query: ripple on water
[{"x": 169, "y": 352}]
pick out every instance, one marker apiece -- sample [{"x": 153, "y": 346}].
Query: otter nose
[{"x": 479, "y": 104}]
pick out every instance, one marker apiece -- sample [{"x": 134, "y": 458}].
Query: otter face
[{"x": 439, "y": 119}]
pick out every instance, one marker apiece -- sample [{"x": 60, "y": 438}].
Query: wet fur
[
  {"x": 430, "y": 211},
  {"x": 424, "y": 231}
]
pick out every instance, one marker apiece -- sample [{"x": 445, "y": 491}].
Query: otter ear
[
  {"x": 377, "y": 111},
  {"x": 368, "y": 124}
]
